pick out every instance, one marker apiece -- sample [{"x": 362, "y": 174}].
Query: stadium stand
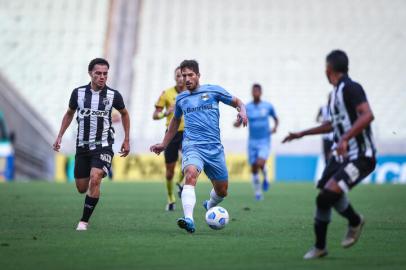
[
  {"x": 46, "y": 46},
  {"x": 280, "y": 44}
]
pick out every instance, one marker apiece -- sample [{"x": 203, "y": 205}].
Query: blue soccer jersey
[
  {"x": 201, "y": 146},
  {"x": 200, "y": 110},
  {"x": 258, "y": 116}
]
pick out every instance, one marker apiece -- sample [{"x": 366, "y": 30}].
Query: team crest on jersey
[
  {"x": 204, "y": 96},
  {"x": 106, "y": 101}
]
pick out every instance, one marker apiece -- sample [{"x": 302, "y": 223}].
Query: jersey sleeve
[
  {"x": 223, "y": 96},
  {"x": 178, "y": 110},
  {"x": 73, "y": 101},
  {"x": 118, "y": 102},
  {"x": 161, "y": 101},
  {"x": 354, "y": 95}
]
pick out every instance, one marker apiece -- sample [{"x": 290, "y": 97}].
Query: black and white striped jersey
[
  {"x": 93, "y": 110},
  {"x": 346, "y": 96}
]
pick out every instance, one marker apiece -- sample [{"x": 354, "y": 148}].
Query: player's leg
[
  {"x": 189, "y": 198},
  {"x": 179, "y": 182},
  {"x": 100, "y": 164},
  {"x": 263, "y": 155},
  {"x": 216, "y": 169},
  {"x": 324, "y": 202},
  {"x": 93, "y": 194},
  {"x": 252, "y": 158},
  {"x": 82, "y": 172},
  {"x": 82, "y": 184},
  {"x": 217, "y": 194},
  {"x": 82, "y": 177},
  {"x": 352, "y": 174},
  {"x": 192, "y": 165},
  {"x": 170, "y": 171},
  {"x": 171, "y": 157}
]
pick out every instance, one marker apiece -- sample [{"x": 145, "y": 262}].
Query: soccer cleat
[
  {"x": 205, "y": 205},
  {"x": 170, "y": 207},
  {"x": 315, "y": 253},
  {"x": 265, "y": 185},
  {"x": 353, "y": 234},
  {"x": 187, "y": 224},
  {"x": 82, "y": 226},
  {"x": 180, "y": 189},
  {"x": 259, "y": 197}
]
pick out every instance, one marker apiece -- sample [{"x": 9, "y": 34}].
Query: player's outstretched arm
[
  {"x": 242, "y": 113},
  {"x": 67, "y": 119},
  {"x": 172, "y": 130},
  {"x": 323, "y": 128},
  {"x": 125, "y": 120}
]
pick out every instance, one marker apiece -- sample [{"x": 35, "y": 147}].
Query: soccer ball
[{"x": 217, "y": 217}]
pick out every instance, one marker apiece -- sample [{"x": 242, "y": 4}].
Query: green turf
[{"x": 130, "y": 230}]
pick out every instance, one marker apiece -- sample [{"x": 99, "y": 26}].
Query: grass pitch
[{"x": 131, "y": 230}]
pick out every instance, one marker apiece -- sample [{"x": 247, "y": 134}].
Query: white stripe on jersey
[
  {"x": 93, "y": 119},
  {"x": 341, "y": 117},
  {"x": 106, "y": 130},
  {"x": 81, "y": 101}
]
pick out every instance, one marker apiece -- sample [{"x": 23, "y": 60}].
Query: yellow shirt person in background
[{"x": 167, "y": 101}]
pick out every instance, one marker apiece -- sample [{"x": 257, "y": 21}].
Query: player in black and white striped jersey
[
  {"x": 93, "y": 104},
  {"x": 354, "y": 153}
]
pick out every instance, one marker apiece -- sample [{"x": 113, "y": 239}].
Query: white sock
[
  {"x": 214, "y": 199},
  {"x": 265, "y": 173},
  {"x": 256, "y": 184},
  {"x": 188, "y": 200}
]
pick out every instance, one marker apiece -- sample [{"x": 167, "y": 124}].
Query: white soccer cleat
[
  {"x": 315, "y": 253},
  {"x": 82, "y": 226},
  {"x": 353, "y": 234}
]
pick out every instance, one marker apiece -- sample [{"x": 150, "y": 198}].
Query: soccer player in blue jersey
[
  {"x": 259, "y": 142},
  {"x": 201, "y": 148}
]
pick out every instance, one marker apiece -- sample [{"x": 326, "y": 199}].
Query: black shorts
[
  {"x": 348, "y": 173},
  {"x": 173, "y": 148},
  {"x": 86, "y": 160}
]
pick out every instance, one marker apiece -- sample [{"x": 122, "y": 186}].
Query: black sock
[
  {"x": 320, "y": 229},
  {"x": 352, "y": 216},
  {"x": 90, "y": 204}
]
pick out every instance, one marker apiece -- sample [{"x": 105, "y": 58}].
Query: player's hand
[
  {"x": 342, "y": 148},
  {"x": 292, "y": 136},
  {"x": 57, "y": 144},
  {"x": 157, "y": 148},
  {"x": 242, "y": 118},
  {"x": 237, "y": 124},
  {"x": 169, "y": 110},
  {"x": 125, "y": 149}
]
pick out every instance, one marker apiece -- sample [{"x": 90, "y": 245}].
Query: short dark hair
[
  {"x": 178, "y": 67},
  {"x": 338, "y": 60},
  {"x": 98, "y": 61},
  {"x": 190, "y": 64},
  {"x": 257, "y": 85}
]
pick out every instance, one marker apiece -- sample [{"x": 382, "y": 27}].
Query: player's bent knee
[
  {"x": 326, "y": 199},
  {"x": 191, "y": 175},
  {"x": 222, "y": 193},
  {"x": 81, "y": 189},
  {"x": 169, "y": 175}
]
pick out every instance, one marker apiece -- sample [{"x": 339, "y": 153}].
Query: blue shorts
[
  {"x": 258, "y": 149},
  {"x": 208, "y": 158}
]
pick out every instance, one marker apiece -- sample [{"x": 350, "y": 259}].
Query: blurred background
[{"x": 46, "y": 45}]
